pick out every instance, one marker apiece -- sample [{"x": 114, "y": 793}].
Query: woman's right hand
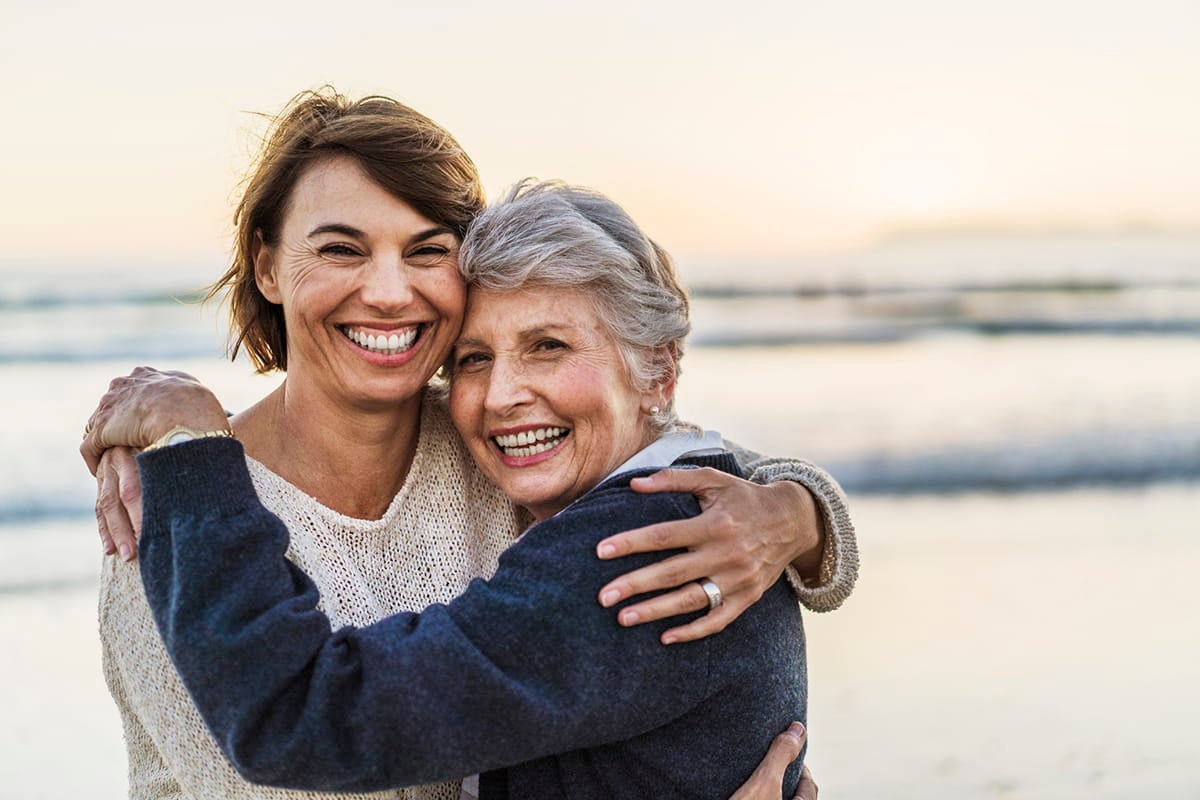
[
  {"x": 767, "y": 780},
  {"x": 136, "y": 410},
  {"x": 145, "y": 404}
]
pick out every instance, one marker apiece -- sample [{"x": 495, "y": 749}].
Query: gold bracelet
[{"x": 181, "y": 433}]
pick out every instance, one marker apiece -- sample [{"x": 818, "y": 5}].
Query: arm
[
  {"x": 415, "y": 697},
  {"x": 743, "y": 541},
  {"x": 170, "y": 751},
  {"x": 837, "y": 565}
]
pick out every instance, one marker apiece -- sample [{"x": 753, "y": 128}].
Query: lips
[{"x": 383, "y": 342}]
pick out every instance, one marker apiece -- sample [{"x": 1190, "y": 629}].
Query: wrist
[
  {"x": 188, "y": 413},
  {"x": 182, "y": 433},
  {"x": 809, "y": 532}
]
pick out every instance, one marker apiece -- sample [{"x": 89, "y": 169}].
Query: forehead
[
  {"x": 495, "y": 312},
  {"x": 338, "y": 189}
]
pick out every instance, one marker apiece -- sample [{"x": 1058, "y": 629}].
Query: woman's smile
[
  {"x": 387, "y": 343},
  {"x": 530, "y": 444}
]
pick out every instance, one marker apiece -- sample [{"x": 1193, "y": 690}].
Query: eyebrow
[
  {"x": 350, "y": 230},
  {"x": 553, "y": 326},
  {"x": 532, "y": 333}
]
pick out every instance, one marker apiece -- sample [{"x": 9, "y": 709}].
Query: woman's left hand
[{"x": 743, "y": 540}]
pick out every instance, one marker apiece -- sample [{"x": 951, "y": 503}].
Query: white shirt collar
[
  {"x": 666, "y": 450},
  {"x": 670, "y": 447}
]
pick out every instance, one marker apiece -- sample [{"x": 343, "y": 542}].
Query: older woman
[
  {"x": 345, "y": 275},
  {"x": 562, "y": 389}
]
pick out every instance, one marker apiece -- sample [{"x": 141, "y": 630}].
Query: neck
[{"x": 350, "y": 458}]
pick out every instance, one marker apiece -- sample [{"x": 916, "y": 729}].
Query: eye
[
  {"x": 471, "y": 360},
  {"x": 339, "y": 250},
  {"x": 432, "y": 252},
  {"x": 549, "y": 345}
]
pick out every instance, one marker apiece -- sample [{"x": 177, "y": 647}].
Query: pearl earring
[{"x": 655, "y": 409}]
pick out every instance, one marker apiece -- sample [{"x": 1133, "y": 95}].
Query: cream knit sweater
[{"x": 446, "y": 526}]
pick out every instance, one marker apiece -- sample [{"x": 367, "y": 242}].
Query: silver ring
[{"x": 714, "y": 593}]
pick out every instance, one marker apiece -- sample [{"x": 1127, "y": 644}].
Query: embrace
[{"x": 375, "y": 578}]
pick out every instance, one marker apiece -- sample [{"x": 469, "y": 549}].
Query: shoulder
[
  {"x": 571, "y": 535},
  {"x": 614, "y": 506}
]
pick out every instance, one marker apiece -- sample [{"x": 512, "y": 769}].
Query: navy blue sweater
[{"x": 524, "y": 671}]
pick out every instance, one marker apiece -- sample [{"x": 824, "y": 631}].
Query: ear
[
  {"x": 264, "y": 270},
  {"x": 662, "y": 391}
]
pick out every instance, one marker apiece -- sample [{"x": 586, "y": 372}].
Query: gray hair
[{"x": 552, "y": 234}]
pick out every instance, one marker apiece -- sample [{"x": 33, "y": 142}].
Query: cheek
[
  {"x": 465, "y": 405},
  {"x": 448, "y": 293},
  {"x": 582, "y": 394},
  {"x": 309, "y": 286}
]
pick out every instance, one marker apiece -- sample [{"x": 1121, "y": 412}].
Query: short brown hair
[{"x": 409, "y": 155}]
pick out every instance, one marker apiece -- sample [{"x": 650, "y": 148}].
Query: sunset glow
[{"x": 764, "y": 131}]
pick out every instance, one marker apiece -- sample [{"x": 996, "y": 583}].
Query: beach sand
[
  {"x": 1011, "y": 646},
  {"x": 1023, "y": 646}
]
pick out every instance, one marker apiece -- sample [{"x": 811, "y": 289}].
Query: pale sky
[{"x": 744, "y": 129}]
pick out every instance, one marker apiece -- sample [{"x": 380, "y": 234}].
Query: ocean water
[
  {"x": 898, "y": 372},
  {"x": 1017, "y": 422}
]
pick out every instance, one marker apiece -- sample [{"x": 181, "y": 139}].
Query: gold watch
[{"x": 181, "y": 433}]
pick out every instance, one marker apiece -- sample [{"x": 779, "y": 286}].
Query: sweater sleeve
[
  {"x": 517, "y": 667},
  {"x": 170, "y": 752},
  {"x": 839, "y": 561}
]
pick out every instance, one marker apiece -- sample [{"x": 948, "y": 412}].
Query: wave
[
  {"x": 1064, "y": 461},
  {"x": 866, "y": 288},
  {"x": 883, "y": 333},
  {"x": 99, "y": 295},
  {"x": 161, "y": 351},
  {"x": 99, "y": 298},
  {"x": 51, "y": 505}
]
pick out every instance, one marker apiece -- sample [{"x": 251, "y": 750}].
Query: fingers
[
  {"x": 106, "y": 543},
  {"x": 705, "y": 484},
  {"x": 807, "y": 790},
  {"x": 677, "y": 570},
  {"x": 767, "y": 779},
  {"x": 714, "y": 621},
  {"x": 690, "y": 481},
  {"x": 732, "y": 566},
  {"x": 129, "y": 486},
  {"x": 684, "y": 600},
  {"x": 650, "y": 539},
  {"x": 118, "y": 502}
]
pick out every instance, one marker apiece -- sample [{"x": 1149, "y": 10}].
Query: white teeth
[
  {"x": 530, "y": 443},
  {"x": 388, "y": 345}
]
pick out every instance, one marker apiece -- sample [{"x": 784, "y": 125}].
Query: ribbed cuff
[
  {"x": 839, "y": 562},
  {"x": 200, "y": 478}
]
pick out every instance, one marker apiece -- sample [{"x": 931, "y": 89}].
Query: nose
[
  {"x": 386, "y": 284},
  {"x": 508, "y": 387}
]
